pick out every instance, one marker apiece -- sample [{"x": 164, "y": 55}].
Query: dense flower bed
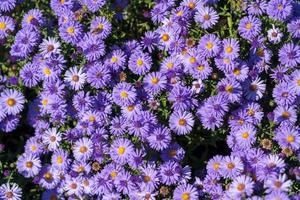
[{"x": 141, "y": 99}]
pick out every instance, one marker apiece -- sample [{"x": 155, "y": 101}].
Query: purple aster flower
[
  {"x": 254, "y": 89},
  {"x": 98, "y": 76},
  {"x": 48, "y": 177},
  {"x": 28, "y": 165},
  {"x": 7, "y": 5},
  {"x": 155, "y": 82},
  {"x": 124, "y": 183},
  {"x": 82, "y": 101},
  {"x": 245, "y": 136},
  {"x": 213, "y": 166},
  {"x": 159, "y": 12},
  {"x": 160, "y": 138},
  {"x": 280, "y": 73},
  {"x": 294, "y": 28},
  {"x": 7, "y": 26},
  {"x": 257, "y": 7},
  {"x": 100, "y": 27},
  {"x": 210, "y": 45},
  {"x": 60, "y": 159},
  {"x": 83, "y": 149},
  {"x": 279, "y": 9},
  {"x": 150, "y": 178},
  {"x": 288, "y": 136},
  {"x": 101, "y": 184},
  {"x": 118, "y": 125},
  {"x": 277, "y": 195},
  {"x": 284, "y": 94},
  {"x": 206, "y": 17},
  {"x": 33, "y": 18},
  {"x": 185, "y": 192},
  {"x": 94, "y": 5},
  {"x": 92, "y": 47},
  {"x": 121, "y": 150},
  {"x": 71, "y": 32},
  {"x": 249, "y": 27},
  {"x": 181, "y": 122},
  {"x": 279, "y": 184},
  {"x": 181, "y": 97},
  {"x": 289, "y": 55},
  {"x": 254, "y": 111},
  {"x": 274, "y": 35},
  {"x": 231, "y": 166},
  {"x": 61, "y": 6},
  {"x": 150, "y": 41},
  {"x": 230, "y": 89},
  {"x": 116, "y": 60},
  {"x": 241, "y": 185},
  {"x": 140, "y": 63},
  {"x": 173, "y": 153},
  {"x": 52, "y": 138},
  {"x": 72, "y": 187},
  {"x": 285, "y": 114},
  {"x": 49, "y": 47},
  {"x": 200, "y": 69},
  {"x": 75, "y": 78},
  {"x": 169, "y": 172},
  {"x": 10, "y": 191},
  {"x": 231, "y": 48},
  {"x": 124, "y": 94},
  {"x": 12, "y": 101},
  {"x": 33, "y": 146},
  {"x": 137, "y": 158},
  {"x": 29, "y": 76}
]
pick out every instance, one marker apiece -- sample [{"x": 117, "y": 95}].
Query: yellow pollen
[
  {"x": 226, "y": 61},
  {"x": 113, "y": 174},
  {"x": 29, "y": 18},
  {"x": 230, "y": 165},
  {"x": 245, "y": 135},
  {"x": 179, "y": 13},
  {"x": 124, "y": 94},
  {"x": 130, "y": 108},
  {"x": 62, "y": 1},
  {"x": 165, "y": 37},
  {"x": 92, "y": 118},
  {"x": 229, "y": 49},
  {"x": 171, "y": 65},
  {"x": 290, "y": 138},
  {"x": 248, "y": 25},
  {"x": 11, "y": 102},
  {"x": 193, "y": 60},
  {"x": 240, "y": 121},
  {"x": 47, "y": 71},
  {"x": 139, "y": 62},
  {"x": 121, "y": 150},
  {"x": 114, "y": 59},
  {"x": 229, "y": 88},
  {"x": 80, "y": 169},
  {"x": 154, "y": 80},
  {"x": 250, "y": 112},
  {"x": 2, "y": 25},
  {"x": 236, "y": 71},
  {"x": 100, "y": 27},
  {"x": 298, "y": 82},
  {"x": 45, "y": 102},
  {"x": 185, "y": 196},
  {"x": 209, "y": 45},
  {"x": 206, "y": 17},
  {"x": 285, "y": 114},
  {"x": 83, "y": 149},
  {"x": 70, "y": 30},
  {"x": 216, "y": 166},
  {"x": 191, "y": 5},
  {"x": 59, "y": 159},
  {"x": 33, "y": 147},
  {"x": 280, "y": 7},
  {"x": 29, "y": 164},
  {"x": 182, "y": 122},
  {"x": 200, "y": 68},
  {"x": 48, "y": 176}
]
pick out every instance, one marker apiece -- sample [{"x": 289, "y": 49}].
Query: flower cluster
[{"x": 118, "y": 119}]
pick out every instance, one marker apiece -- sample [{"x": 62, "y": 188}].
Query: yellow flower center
[
  {"x": 200, "y": 68},
  {"x": 154, "y": 80},
  {"x": 29, "y": 18},
  {"x": 229, "y": 88},
  {"x": 226, "y": 60},
  {"x": 236, "y": 71},
  {"x": 92, "y": 118},
  {"x": 48, "y": 176},
  {"x": 100, "y": 27},
  {"x": 193, "y": 60},
  {"x": 147, "y": 179},
  {"x": 298, "y": 82},
  {"x": 170, "y": 65},
  {"x": 80, "y": 169},
  {"x": 185, "y": 196},
  {"x": 124, "y": 94},
  {"x": 179, "y": 13},
  {"x": 216, "y": 166},
  {"x": 165, "y": 37},
  {"x": 248, "y": 25},
  {"x": 33, "y": 147},
  {"x": 114, "y": 59},
  {"x": 285, "y": 114},
  {"x": 83, "y": 149},
  {"x": 113, "y": 174},
  {"x": 250, "y": 112},
  {"x": 230, "y": 165},
  {"x": 47, "y": 71},
  {"x": 245, "y": 135},
  {"x": 62, "y": 1},
  {"x": 121, "y": 150},
  {"x": 130, "y": 108},
  {"x": 191, "y": 5},
  {"x": 29, "y": 164},
  {"x": 59, "y": 159},
  {"x": 280, "y": 7},
  {"x": 206, "y": 17},
  {"x": 209, "y": 45},
  {"x": 229, "y": 49},
  {"x": 290, "y": 138},
  {"x": 11, "y": 102},
  {"x": 45, "y": 102},
  {"x": 139, "y": 62},
  {"x": 2, "y": 25},
  {"x": 182, "y": 122},
  {"x": 70, "y": 30}
]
